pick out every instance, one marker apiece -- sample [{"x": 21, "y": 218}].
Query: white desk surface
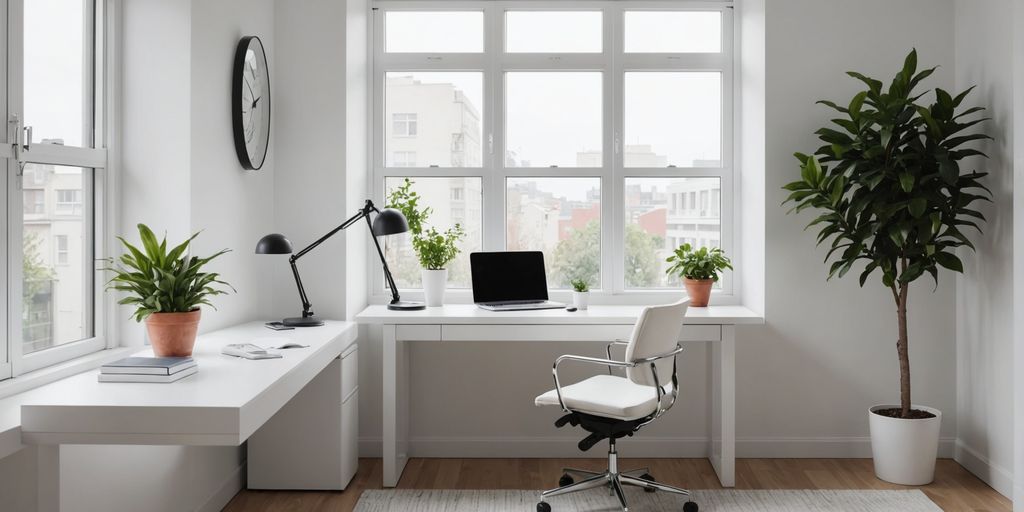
[
  {"x": 595, "y": 315},
  {"x": 222, "y": 404}
]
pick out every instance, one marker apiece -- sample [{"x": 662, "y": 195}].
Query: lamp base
[
  {"x": 303, "y": 321},
  {"x": 404, "y": 305}
]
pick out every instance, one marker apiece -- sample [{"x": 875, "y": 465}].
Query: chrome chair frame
[{"x": 612, "y": 477}]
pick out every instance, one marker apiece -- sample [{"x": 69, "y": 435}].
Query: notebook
[
  {"x": 149, "y": 365},
  {"x": 161, "y": 379}
]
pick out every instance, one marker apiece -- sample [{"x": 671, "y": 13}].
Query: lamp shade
[
  {"x": 389, "y": 222},
  {"x": 274, "y": 243}
]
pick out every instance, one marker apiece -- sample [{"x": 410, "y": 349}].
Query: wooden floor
[{"x": 954, "y": 488}]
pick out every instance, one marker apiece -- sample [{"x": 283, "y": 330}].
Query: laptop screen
[{"x": 508, "y": 276}]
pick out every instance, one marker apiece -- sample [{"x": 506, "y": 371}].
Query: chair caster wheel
[
  {"x": 649, "y": 478},
  {"x": 689, "y": 506},
  {"x": 544, "y": 507},
  {"x": 564, "y": 481}
]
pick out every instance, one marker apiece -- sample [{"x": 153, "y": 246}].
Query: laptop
[{"x": 510, "y": 281}]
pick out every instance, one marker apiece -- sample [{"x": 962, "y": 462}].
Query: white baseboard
[
  {"x": 649, "y": 447},
  {"x": 997, "y": 477},
  {"x": 228, "y": 489}
]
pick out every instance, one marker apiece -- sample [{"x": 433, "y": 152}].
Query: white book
[
  {"x": 149, "y": 365},
  {"x": 160, "y": 379}
]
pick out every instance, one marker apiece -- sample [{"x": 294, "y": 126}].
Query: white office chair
[{"x": 611, "y": 407}]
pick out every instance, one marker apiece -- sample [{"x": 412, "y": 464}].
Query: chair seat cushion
[{"x": 608, "y": 396}]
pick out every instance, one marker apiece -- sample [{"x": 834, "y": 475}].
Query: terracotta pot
[
  {"x": 699, "y": 291},
  {"x": 173, "y": 334}
]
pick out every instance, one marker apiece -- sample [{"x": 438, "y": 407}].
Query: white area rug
[{"x": 709, "y": 501}]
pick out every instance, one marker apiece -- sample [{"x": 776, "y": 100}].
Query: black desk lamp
[{"x": 387, "y": 222}]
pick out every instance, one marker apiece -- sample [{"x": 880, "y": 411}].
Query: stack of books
[{"x": 148, "y": 369}]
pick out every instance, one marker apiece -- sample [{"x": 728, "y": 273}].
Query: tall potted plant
[
  {"x": 166, "y": 288},
  {"x": 434, "y": 249},
  {"x": 890, "y": 193}
]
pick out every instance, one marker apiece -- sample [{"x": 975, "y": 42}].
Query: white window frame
[
  {"x": 493, "y": 62},
  {"x": 102, "y": 188}
]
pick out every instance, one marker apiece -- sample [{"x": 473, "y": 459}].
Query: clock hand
[{"x": 257, "y": 100}]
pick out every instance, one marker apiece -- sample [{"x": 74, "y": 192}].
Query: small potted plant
[
  {"x": 436, "y": 250},
  {"x": 699, "y": 269},
  {"x": 166, "y": 288},
  {"x": 892, "y": 198},
  {"x": 580, "y": 294}
]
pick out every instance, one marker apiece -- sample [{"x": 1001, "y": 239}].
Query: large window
[
  {"x": 599, "y": 133},
  {"x": 51, "y": 92}
]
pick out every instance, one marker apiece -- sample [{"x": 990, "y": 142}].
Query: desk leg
[
  {"x": 396, "y": 407},
  {"x": 48, "y": 478},
  {"x": 723, "y": 415}
]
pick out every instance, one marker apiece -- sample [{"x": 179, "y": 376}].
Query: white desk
[
  {"x": 715, "y": 324},
  {"x": 228, "y": 401}
]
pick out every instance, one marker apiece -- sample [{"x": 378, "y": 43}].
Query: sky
[{"x": 54, "y": 68}]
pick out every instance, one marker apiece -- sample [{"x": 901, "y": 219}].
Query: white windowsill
[
  {"x": 14, "y": 391},
  {"x": 46, "y": 375}
]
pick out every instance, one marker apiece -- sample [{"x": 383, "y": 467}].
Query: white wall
[
  {"x": 984, "y": 305},
  {"x": 1017, "y": 65},
  {"x": 827, "y": 353},
  {"x": 310, "y": 152}
]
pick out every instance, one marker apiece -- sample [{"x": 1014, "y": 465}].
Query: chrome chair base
[{"x": 614, "y": 481}]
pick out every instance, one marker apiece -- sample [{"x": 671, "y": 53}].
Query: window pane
[
  {"x": 673, "y": 119},
  {"x": 433, "y": 119},
  {"x": 451, "y": 201},
  {"x": 560, "y": 217},
  {"x": 57, "y": 285},
  {"x": 57, "y": 89},
  {"x": 434, "y": 32},
  {"x": 553, "y": 32},
  {"x": 673, "y": 32},
  {"x": 553, "y": 119},
  {"x": 662, "y": 214}
]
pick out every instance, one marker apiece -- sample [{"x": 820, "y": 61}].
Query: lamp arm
[
  {"x": 387, "y": 272},
  {"x": 362, "y": 213},
  {"x": 306, "y": 306}
]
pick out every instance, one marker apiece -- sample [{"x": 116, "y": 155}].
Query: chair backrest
[{"x": 656, "y": 332}]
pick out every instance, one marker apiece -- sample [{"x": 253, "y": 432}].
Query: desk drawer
[
  {"x": 414, "y": 332},
  {"x": 564, "y": 332},
  {"x": 349, "y": 372}
]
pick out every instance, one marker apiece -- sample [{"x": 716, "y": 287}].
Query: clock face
[{"x": 251, "y": 103}]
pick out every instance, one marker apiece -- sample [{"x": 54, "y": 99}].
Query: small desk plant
[
  {"x": 166, "y": 288},
  {"x": 435, "y": 249},
  {"x": 580, "y": 294},
  {"x": 895, "y": 203},
  {"x": 700, "y": 269}
]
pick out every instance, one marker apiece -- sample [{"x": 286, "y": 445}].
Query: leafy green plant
[
  {"x": 579, "y": 285},
  {"x": 698, "y": 264},
  {"x": 161, "y": 281},
  {"x": 435, "y": 249},
  {"x": 894, "y": 196}
]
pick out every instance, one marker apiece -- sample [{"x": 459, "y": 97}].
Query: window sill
[
  {"x": 43, "y": 376},
  {"x": 597, "y": 297}
]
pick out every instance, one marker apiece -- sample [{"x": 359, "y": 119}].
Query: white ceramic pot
[
  {"x": 905, "y": 450},
  {"x": 581, "y": 300},
  {"x": 434, "y": 283}
]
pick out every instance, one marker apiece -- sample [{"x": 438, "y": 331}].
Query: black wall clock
[{"x": 250, "y": 103}]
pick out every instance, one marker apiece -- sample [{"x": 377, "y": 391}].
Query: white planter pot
[
  {"x": 434, "y": 283},
  {"x": 581, "y": 300},
  {"x": 905, "y": 450}
]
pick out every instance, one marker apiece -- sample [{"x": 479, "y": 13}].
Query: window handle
[{"x": 28, "y": 138}]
